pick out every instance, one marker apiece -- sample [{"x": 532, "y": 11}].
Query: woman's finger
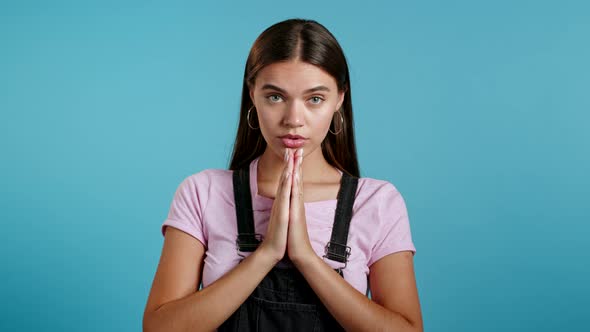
[
  {"x": 300, "y": 174},
  {"x": 297, "y": 186},
  {"x": 278, "y": 227},
  {"x": 285, "y": 183}
]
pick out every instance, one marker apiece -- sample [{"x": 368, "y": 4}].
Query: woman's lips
[{"x": 293, "y": 143}]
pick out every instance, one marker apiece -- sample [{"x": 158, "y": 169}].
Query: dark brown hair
[{"x": 311, "y": 42}]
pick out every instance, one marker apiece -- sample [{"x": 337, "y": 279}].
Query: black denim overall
[{"x": 284, "y": 301}]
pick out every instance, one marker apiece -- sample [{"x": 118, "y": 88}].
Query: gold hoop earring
[
  {"x": 341, "y": 124},
  {"x": 248, "y": 119}
]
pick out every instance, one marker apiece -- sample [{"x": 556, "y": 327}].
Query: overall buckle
[{"x": 335, "y": 256}]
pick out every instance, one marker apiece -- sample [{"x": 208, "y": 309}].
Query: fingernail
[{"x": 286, "y": 157}]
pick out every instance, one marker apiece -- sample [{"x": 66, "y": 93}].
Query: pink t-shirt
[{"x": 203, "y": 206}]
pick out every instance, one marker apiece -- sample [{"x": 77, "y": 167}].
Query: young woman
[{"x": 290, "y": 238}]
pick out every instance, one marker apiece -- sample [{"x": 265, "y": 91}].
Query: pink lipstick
[{"x": 293, "y": 141}]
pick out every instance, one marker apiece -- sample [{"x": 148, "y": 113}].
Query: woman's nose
[{"x": 294, "y": 113}]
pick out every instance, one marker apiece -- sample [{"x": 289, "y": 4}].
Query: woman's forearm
[
  {"x": 207, "y": 309},
  {"x": 352, "y": 309}
]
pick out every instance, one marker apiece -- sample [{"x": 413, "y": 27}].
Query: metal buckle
[
  {"x": 329, "y": 254},
  {"x": 241, "y": 240}
]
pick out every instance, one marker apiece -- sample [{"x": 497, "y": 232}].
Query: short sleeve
[
  {"x": 186, "y": 209},
  {"x": 394, "y": 232}
]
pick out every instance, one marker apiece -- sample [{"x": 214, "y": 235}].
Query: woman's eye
[
  {"x": 274, "y": 98},
  {"x": 316, "y": 100}
]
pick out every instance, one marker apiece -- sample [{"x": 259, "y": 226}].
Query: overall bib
[{"x": 284, "y": 301}]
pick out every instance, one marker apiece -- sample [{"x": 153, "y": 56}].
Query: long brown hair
[{"x": 310, "y": 42}]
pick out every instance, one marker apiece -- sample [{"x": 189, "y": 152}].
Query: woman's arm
[
  {"x": 395, "y": 305},
  {"x": 175, "y": 304}
]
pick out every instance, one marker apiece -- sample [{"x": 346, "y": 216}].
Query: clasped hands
[{"x": 287, "y": 228}]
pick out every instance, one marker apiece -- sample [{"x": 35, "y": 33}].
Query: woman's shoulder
[
  {"x": 376, "y": 190},
  {"x": 208, "y": 179},
  {"x": 202, "y": 186},
  {"x": 375, "y": 185},
  {"x": 380, "y": 199}
]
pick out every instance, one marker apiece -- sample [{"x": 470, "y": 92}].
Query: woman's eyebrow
[
  {"x": 317, "y": 88},
  {"x": 274, "y": 87}
]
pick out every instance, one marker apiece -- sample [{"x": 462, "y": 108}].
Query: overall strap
[
  {"x": 337, "y": 249},
  {"x": 247, "y": 240}
]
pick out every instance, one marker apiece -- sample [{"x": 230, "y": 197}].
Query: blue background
[{"x": 477, "y": 111}]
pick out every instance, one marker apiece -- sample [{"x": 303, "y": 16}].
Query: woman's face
[{"x": 298, "y": 99}]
